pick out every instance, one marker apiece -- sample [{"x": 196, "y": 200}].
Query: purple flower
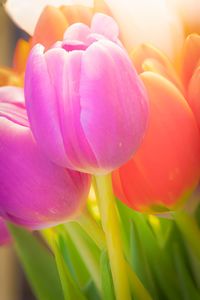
[
  {"x": 34, "y": 192},
  {"x": 86, "y": 105}
]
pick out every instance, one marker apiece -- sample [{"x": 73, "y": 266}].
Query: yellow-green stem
[{"x": 110, "y": 224}]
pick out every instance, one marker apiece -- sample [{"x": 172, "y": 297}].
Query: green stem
[
  {"x": 85, "y": 252},
  {"x": 92, "y": 229},
  {"x": 110, "y": 224},
  {"x": 190, "y": 230}
]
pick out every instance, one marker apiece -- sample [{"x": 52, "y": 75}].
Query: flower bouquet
[{"x": 100, "y": 148}]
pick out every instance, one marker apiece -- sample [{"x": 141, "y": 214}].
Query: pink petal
[
  {"x": 77, "y": 31},
  {"x": 43, "y": 118},
  {"x": 106, "y": 26},
  {"x": 114, "y": 118},
  {"x": 34, "y": 192}
]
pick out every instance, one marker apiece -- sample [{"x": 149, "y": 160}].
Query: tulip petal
[
  {"x": 39, "y": 83},
  {"x": 77, "y": 31},
  {"x": 77, "y": 13},
  {"x": 68, "y": 65},
  {"x": 145, "y": 57},
  {"x": 101, "y": 6},
  {"x": 34, "y": 192},
  {"x": 10, "y": 77},
  {"x": 105, "y": 25},
  {"x": 167, "y": 165},
  {"x": 20, "y": 56},
  {"x": 102, "y": 117},
  {"x": 191, "y": 56},
  {"x": 45, "y": 34},
  {"x": 11, "y": 94},
  {"x": 194, "y": 94},
  {"x": 26, "y": 13}
]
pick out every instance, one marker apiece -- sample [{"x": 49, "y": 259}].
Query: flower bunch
[{"x": 95, "y": 99}]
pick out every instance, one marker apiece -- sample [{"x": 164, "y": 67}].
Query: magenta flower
[
  {"x": 34, "y": 192},
  {"x": 4, "y": 233},
  {"x": 86, "y": 105}
]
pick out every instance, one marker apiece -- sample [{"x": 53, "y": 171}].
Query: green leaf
[
  {"x": 187, "y": 286},
  {"x": 88, "y": 251},
  {"x": 195, "y": 266},
  {"x": 91, "y": 292},
  {"x": 70, "y": 289},
  {"x": 162, "y": 228},
  {"x": 38, "y": 264},
  {"x": 73, "y": 260},
  {"x": 140, "y": 262},
  {"x": 81, "y": 256},
  {"x": 159, "y": 260},
  {"x": 106, "y": 278},
  {"x": 125, "y": 217},
  {"x": 190, "y": 231}
]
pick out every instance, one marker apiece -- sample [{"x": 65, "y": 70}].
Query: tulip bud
[
  {"x": 34, "y": 192},
  {"x": 166, "y": 168},
  {"x": 86, "y": 105}
]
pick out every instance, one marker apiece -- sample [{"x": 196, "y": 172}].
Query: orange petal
[
  {"x": 9, "y": 77},
  {"x": 145, "y": 57},
  {"x": 20, "y": 56},
  {"x": 194, "y": 94},
  {"x": 155, "y": 66},
  {"x": 167, "y": 165},
  {"x": 77, "y": 13},
  {"x": 101, "y": 6},
  {"x": 50, "y": 27},
  {"x": 190, "y": 57}
]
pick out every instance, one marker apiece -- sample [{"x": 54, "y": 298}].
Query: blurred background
[{"x": 13, "y": 285}]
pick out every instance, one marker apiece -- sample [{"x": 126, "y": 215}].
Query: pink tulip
[
  {"x": 34, "y": 192},
  {"x": 87, "y": 106},
  {"x": 4, "y": 234}
]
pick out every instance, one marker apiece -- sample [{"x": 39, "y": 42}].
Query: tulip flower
[
  {"x": 165, "y": 183},
  {"x": 4, "y": 234},
  {"x": 87, "y": 107},
  {"x": 34, "y": 192},
  {"x": 166, "y": 168}
]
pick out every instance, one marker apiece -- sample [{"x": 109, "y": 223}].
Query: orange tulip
[{"x": 166, "y": 168}]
